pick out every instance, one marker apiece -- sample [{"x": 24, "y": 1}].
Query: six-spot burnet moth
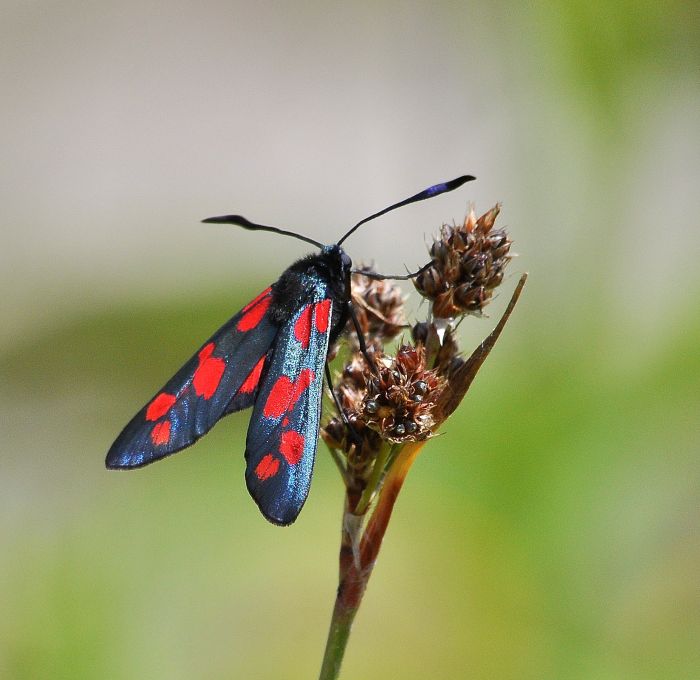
[{"x": 271, "y": 356}]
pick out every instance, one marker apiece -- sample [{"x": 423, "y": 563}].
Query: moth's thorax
[{"x": 326, "y": 273}]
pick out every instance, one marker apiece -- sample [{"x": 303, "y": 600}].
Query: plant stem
[
  {"x": 353, "y": 581},
  {"x": 338, "y": 635},
  {"x": 357, "y": 559},
  {"x": 359, "y": 546},
  {"x": 373, "y": 482},
  {"x": 378, "y": 522}
]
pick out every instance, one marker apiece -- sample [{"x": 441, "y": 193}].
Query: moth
[{"x": 271, "y": 356}]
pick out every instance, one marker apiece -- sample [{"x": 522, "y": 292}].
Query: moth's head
[{"x": 337, "y": 258}]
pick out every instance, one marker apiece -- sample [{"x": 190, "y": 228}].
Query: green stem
[
  {"x": 373, "y": 481},
  {"x": 338, "y": 635},
  {"x": 358, "y": 556}
]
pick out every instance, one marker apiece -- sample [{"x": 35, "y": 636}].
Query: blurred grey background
[{"x": 552, "y": 533}]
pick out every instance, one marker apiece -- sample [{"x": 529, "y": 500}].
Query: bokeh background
[{"x": 552, "y": 532}]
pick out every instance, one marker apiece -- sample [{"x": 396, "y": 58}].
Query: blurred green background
[{"x": 552, "y": 532}]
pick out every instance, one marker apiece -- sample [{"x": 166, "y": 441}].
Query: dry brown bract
[{"x": 468, "y": 263}]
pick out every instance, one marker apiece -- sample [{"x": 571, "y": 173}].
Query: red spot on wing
[
  {"x": 279, "y": 397},
  {"x": 292, "y": 446},
  {"x": 207, "y": 375},
  {"x": 302, "y": 326},
  {"x": 160, "y": 406},
  {"x": 285, "y": 393},
  {"x": 160, "y": 434},
  {"x": 267, "y": 467},
  {"x": 285, "y": 422},
  {"x": 322, "y": 315},
  {"x": 301, "y": 385},
  {"x": 251, "y": 382},
  {"x": 206, "y": 352},
  {"x": 254, "y": 313},
  {"x": 257, "y": 299}
]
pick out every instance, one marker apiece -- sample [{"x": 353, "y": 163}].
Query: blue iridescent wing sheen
[
  {"x": 283, "y": 430},
  {"x": 222, "y": 377}
]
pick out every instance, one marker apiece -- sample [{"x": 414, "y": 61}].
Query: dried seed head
[
  {"x": 379, "y": 307},
  {"x": 334, "y": 434},
  {"x": 447, "y": 353},
  {"x": 362, "y": 444},
  {"x": 441, "y": 348},
  {"x": 421, "y": 332},
  {"x": 468, "y": 264},
  {"x": 399, "y": 400}
]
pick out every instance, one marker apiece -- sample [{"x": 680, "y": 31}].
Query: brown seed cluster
[
  {"x": 468, "y": 263},
  {"x": 378, "y": 306},
  {"x": 394, "y": 404},
  {"x": 443, "y": 351},
  {"x": 361, "y": 444},
  {"x": 399, "y": 399}
]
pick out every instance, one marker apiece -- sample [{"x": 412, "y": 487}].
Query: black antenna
[
  {"x": 434, "y": 190},
  {"x": 241, "y": 221}
]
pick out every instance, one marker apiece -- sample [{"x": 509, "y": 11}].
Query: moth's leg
[
  {"x": 361, "y": 340},
  {"x": 397, "y": 277}
]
